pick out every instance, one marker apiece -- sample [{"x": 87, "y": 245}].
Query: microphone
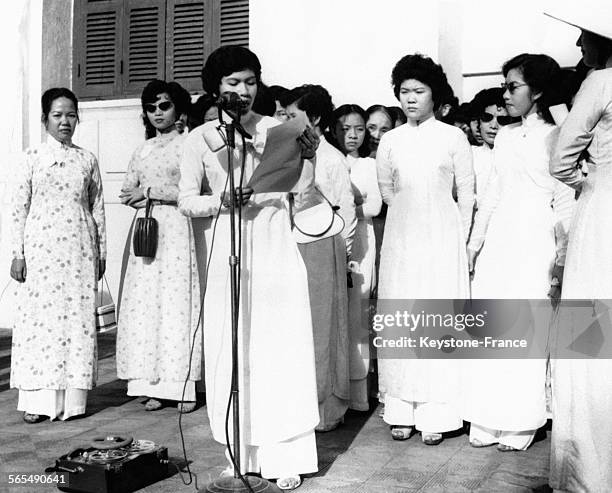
[{"x": 232, "y": 104}]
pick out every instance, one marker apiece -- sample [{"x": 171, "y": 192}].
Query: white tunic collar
[
  {"x": 57, "y": 152},
  {"x": 423, "y": 125},
  {"x": 531, "y": 123},
  {"x": 56, "y": 144},
  {"x": 533, "y": 120}
]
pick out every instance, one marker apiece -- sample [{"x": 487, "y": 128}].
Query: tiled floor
[{"x": 358, "y": 457}]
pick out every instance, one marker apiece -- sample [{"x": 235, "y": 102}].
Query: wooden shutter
[
  {"x": 97, "y": 47},
  {"x": 188, "y": 40},
  {"x": 143, "y": 46},
  {"x": 234, "y": 23},
  {"x": 120, "y": 45}
]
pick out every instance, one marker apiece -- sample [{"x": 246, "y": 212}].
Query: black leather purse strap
[
  {"x": 149, "y": 204},
  {"x": 333, "y": 209}
]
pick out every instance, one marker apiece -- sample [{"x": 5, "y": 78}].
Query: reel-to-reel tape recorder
[{"x": 112, "y": 464}]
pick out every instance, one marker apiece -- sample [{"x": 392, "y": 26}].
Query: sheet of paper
[{"x": 281, "y": 166}]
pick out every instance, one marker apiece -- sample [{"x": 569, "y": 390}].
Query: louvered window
[
  {"x": 185, "y": 40},
  {"x": 234, "y": 23},
  {"x": 120, "y": 45}
]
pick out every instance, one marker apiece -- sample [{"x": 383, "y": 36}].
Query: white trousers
[
  {"x": 519, "y": 440},
  {"x": 54, "y": 403},
  {"x": 429, "y": 417},
  {"x": 162, "y": 389},
  {"x": 298, "y": 455}
]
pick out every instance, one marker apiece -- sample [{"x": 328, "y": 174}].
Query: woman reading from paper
[{"x": 278, "y": 396}]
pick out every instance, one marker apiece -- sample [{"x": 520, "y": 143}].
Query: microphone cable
[
  {"x": 237, "y": 294},
  {"x": 193, "y": 342}
]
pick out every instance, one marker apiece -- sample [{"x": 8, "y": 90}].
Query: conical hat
[{"x": 591, "y": 15}]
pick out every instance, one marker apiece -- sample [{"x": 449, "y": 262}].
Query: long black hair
[{"x": 345, "y": 110}]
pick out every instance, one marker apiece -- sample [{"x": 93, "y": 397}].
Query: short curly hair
[
  {"x": 423, "y": 69},
  {"x": 178, "y": 95},
  {"x": 225, "y": 61},
  {"x": 315, "y": 100}
]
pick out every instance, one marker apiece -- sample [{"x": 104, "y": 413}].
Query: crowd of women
[{"x": 474, "y": 199}]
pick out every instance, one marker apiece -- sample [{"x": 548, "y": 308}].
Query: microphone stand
[{"x": 238, "y": 482}]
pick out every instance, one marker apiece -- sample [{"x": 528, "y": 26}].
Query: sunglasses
[
  {"x": 501, "y": 119},
  {"x": 513, "y": 86},
  {"x": 164, "y": 106}
]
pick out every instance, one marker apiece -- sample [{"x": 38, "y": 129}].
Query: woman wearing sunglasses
[
  {"x": 491, "y": 110},
  {"x": 159, "y": 313},
  {"x": 582, "y": 429},
  {"x": 517, "y": 251}
]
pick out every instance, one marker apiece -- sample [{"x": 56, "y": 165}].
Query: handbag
[
  {"x": 317, "y": 222},
  {"x": 106, "y": 319},
  {"x": 145, "y": 232}
]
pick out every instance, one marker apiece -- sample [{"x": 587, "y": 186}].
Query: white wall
[
  {"x": 351, "y": 46},
  {"x": 21, "y": 35},
  {"x": 348, "y": 46},
  {"x": 112, "y": 130},
  {"x": 494, "y": 31}
]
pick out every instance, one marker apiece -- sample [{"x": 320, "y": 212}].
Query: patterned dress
[
  {"x": 59, "y": 228},
  {"x": 160, "y": 303}
]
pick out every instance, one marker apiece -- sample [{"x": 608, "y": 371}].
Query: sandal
[
  {"x": 506, "y": 448},
  {"x": 186, "y": 407},
  {"x": 289, "y": 482},
  {"x": 474, "y": 442},
  {"x": 32, "y": 419},
  {"x": 432, "y": 438},
  {"x": 153, "y": 405},
  {"x": 399, "y": 432}
]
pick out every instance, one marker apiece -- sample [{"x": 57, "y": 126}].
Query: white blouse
[
  {"x": 520, "y": 172},
  {"x": 483, "y": 164},
  {"x": 365, "y": 185},
  {"x": 423, "y": 160}
]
